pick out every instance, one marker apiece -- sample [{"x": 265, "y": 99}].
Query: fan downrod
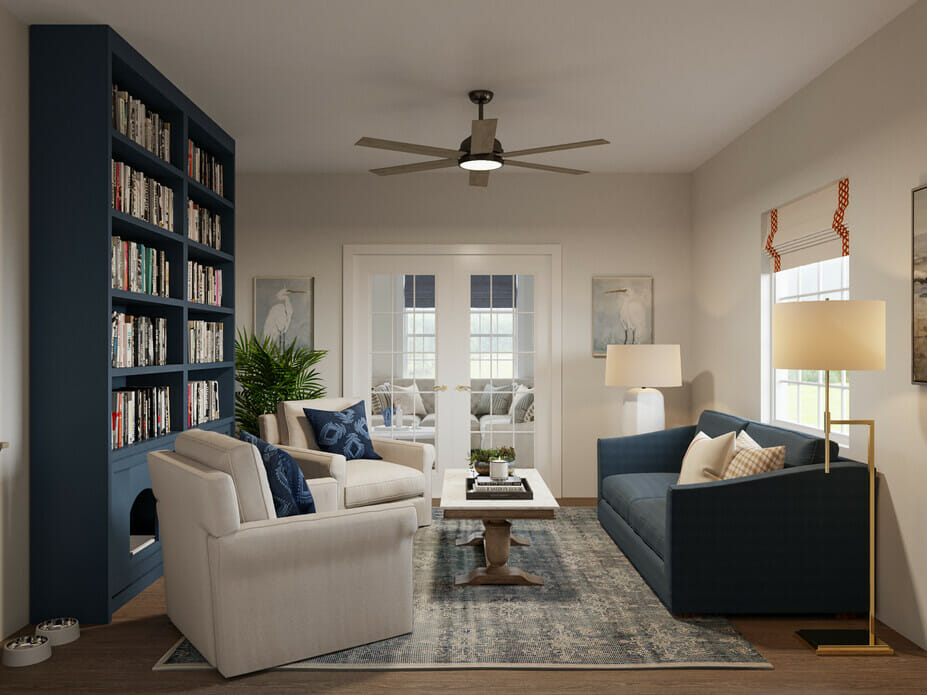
[{"x": 480, "y": 97}]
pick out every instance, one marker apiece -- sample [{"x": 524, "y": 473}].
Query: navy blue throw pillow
[
  {"x": 287, "y": 483},
  {"x": 342, "y": 432}
]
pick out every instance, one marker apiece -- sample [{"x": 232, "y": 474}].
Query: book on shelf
[
  {"x": 206, "y": 339},
  {"x": 204, "y": 284},
  {"x": 135, "y": 267},
  {"x": 140, "y": 414},
  {"x": 204, "y": 168},
  {"x": 145, "y": 127},
  {"x": 138, "y": 341},
  {"x": 139, "y": 195},
  {"x": 204, "y": 225},
  {"x": 202, "y": 402}
]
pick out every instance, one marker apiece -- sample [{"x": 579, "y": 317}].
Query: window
[
  {"x": 492, "y": 343},
  {"x": 798, "y": 394},
  {"x": 418, "y": 327}
]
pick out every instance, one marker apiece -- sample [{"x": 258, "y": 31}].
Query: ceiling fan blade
[
  {"x": 479, "y": 178},
  {"x": 412, "y": 168},
  {"x": 395, "y": 146},
  {"x": 483, "y": 136},
  {"x": 544, "y": 167},
  {"x": 554, "y": 148}
]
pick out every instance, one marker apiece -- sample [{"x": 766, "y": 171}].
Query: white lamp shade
[
  {"x": 831, "y": 335},
  {"x": 643, "y": 365}
]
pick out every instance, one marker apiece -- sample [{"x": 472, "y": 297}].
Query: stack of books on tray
[{"x": 482, "y": 487}]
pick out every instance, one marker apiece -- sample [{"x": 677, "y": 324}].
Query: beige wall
[
  {"x": 14, "y": 323},
  {"x": 606, "y": 224},
  {"x": 865, "y": 118}
]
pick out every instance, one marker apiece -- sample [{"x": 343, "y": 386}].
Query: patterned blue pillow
[
  {"x": 287, "y": 483},
  {"x": 342, "y": 432}
]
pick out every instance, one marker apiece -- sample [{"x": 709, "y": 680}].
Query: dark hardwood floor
[{"x": 117, "y": 658}]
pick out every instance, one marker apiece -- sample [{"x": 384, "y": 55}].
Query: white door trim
[{"x": 553, "y": 251}]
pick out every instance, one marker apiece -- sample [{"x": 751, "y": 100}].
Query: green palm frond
[{"x": 268, "y": 373}]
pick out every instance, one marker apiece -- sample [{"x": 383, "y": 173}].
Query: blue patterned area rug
[{"x": 593, "y": 612}]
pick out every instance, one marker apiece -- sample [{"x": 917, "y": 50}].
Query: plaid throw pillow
[
  {"x": 380, "y": 399},
  {"x": 754, "y": 461}
]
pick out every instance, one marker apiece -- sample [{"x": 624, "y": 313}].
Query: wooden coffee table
[{"x": 496, "y": 537}]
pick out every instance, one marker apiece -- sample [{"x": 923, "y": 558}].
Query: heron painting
[
  {"x": 622, "y": 312},
  {"x": 283, "y": 310}
]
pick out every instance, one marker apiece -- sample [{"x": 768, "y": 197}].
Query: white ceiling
[{"x": 668, "y": 82}]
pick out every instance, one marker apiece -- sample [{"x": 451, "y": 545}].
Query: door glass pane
[
  {"x": 502, "y": 364},
  {"x": 403, "y": 357}
]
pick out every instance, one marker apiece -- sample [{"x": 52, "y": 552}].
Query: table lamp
[
  {"x": 836, "y": 335},
  {"x": 642, "y": 367}
]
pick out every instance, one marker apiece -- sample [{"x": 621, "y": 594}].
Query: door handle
[
  {"x": 461, "y": 387},
  {"x": 442, "y": 387},
  {"x": 4, "y": 445}
]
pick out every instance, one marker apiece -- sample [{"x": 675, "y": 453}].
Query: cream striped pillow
[{"x": 751, "y": 459}]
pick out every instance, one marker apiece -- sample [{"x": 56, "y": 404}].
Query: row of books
[
  {"x": 140, "y": 414},
  {"x": 203, "y": 167},
  {"x": 134, "y": 120},
  {"x": 204, "y": 225},
  {"x": 206, "y": 341},
  {"x": 142, "y": 196},
  {"x": 138, "y": 268},
  {"x": 204, "y": 284},
  {"x": 139, "y": 341},
  {"x": 202, "y": 402}
]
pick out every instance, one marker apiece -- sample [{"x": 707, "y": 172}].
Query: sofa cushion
[
  {"x": 495, "y": 399},
  {"x": 800, "y": 449},
  {"x": 372, "y": 482},
  {"x": 287, "y": 483},
  {"x": 754, "y": 461},
  {"x": 240, "y": 461},
  {"x": 713, "y": 423},
  {"x": 620, "y": 491},
  {"x": 648, "y": 519},
  {"x": 342, "y": 432}
]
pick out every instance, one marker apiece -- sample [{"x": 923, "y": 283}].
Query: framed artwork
[
  {"x": 919, "y": 285},
  {"x": 283, "y": 310},
  {"x": 622, "y": 312}
]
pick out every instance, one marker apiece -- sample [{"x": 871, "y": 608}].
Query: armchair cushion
[
  {"x": 287, "y": 483},
  {"x": 342, "y": 431},
  {"x": 373, "y": 482}
]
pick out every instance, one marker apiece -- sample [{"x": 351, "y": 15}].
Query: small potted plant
[{"x": 480, "y": 458}]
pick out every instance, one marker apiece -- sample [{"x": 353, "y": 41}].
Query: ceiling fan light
[{"x": 480, "y": 162}]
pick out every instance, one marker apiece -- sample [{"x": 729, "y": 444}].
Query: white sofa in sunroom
[{"x": 487, "y": 430}]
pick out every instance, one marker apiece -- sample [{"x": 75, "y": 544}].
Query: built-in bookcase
[{"x": 94, "y": 536}]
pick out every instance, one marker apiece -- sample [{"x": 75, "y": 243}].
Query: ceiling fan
[{"x": 479, "y": 153}]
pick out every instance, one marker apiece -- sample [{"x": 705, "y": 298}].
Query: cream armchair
[
  {"x": 403, "y": 474},
  {"x": 251, "y": 591}
]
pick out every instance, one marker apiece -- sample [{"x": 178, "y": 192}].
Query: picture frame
[
  {"x": 283, "y": 308},
  {"x": 919, "y": 285},
  {"x": 622, "y": 311}
]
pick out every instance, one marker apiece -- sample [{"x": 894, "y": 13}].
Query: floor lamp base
[{"x": 843, "y": 643}]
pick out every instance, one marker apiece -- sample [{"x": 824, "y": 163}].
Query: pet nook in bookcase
[{"x": 132, "y": 340}]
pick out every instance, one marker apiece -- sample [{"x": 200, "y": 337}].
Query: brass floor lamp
[{"x": 837, "y": 335}]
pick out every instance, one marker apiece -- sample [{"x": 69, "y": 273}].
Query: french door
[{"x": 459, "y": 343}]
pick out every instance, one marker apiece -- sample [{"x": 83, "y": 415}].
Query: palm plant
[{"x": 268, "y": 373}]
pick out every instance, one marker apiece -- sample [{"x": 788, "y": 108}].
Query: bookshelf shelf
[{"x": 89, "y": 500}]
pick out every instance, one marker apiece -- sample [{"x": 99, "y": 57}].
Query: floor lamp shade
[
  {"x": 639, "y": 367},
  {"x": 829, "y": 335}
]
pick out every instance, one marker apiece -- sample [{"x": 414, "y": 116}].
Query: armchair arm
[
  {"x": 268, "y": 428},
  {"x": 290, "y": 588},
  {"x": 791, "y": 536},
  {"x": 324, "y": 493},
  {"x": 653, "y": 452},
  {"x": 320, "y": 464},
  {"x": 412, "y": 454}
]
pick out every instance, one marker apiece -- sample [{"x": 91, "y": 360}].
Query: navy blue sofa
[{"x": 788, "y": 541}]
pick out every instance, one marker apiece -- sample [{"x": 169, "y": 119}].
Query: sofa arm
[
  {"x": 792, "y": 535},
  {"x": 324, "y": 493},
  {"x": 653, "y": 452},
  {"x": 292, "y": 588}
]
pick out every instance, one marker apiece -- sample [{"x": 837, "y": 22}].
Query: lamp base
[
  {"x": 642, "y": 411},
  {"x": 843, "y": 643}
]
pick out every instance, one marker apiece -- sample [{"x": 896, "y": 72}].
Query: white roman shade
[{"x": 810, "y": 229}]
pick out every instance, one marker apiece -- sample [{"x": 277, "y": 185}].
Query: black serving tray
[{"x": 524, "y": 494}]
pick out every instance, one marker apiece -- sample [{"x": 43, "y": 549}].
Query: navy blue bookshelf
[{"x": 92, "y": 509}]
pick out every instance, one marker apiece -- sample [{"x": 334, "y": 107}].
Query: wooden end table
[{"x": 496, "y": 516}]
